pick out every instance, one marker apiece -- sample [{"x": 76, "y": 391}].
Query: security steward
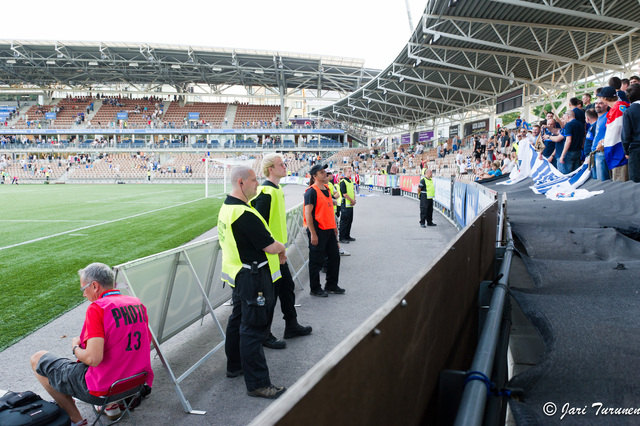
[
  {"x": 322, "y": 233},
  {"x": 426, "y": 193},
  {"x": 270, "y": 204},
  {"x": 348, "y": 194},
  {"x": 250, "y": 264},
  {"x": 337, "y": 200}
]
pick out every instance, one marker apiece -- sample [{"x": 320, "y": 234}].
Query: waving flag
[
  {"x": 613, "y": 151},
  {"x": 548, "y": 180}
]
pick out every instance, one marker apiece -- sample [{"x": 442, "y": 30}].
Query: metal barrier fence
[
  {"x": 182, "y": 286},
  {"x": 489, "y": 356},
  {"x": 460, "y": 202}
]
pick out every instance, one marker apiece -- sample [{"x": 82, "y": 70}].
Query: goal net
[{"x": 218, "y": 173}]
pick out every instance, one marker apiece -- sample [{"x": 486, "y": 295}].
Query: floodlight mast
[{"x": 411, "y": 27}]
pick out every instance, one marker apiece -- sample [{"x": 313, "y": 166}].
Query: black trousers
[
  {"x": 426, "y": 209},
  {"x": 346, "y": 219},
  {"x": 285, "y": 291},
  {"x": 248, "y": 327},
  {"x": 634, "y": 165},
  {"x": 327, "y": 247}
]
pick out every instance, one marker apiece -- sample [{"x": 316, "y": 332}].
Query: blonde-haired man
[{"x": 270, "y": 204}]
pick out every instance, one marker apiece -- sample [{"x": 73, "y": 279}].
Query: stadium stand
[
  {"x": 211, "y": 114},
  {"x": 140, "y": 112},
  {"x": 256, "y": 116},
  {"x": 68, "y": 111}
]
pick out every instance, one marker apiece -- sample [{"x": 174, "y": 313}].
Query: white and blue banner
[
  {"x": 471, "y": 203},
  {"x": 459, "y": 192},
  {"x": 443, "y": 192},
  {"x": 548, "y": 180}
]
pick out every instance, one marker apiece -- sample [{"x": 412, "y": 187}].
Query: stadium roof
[
  {"x": 464, "y": 54},
  {"x": 71, "y": 64}
]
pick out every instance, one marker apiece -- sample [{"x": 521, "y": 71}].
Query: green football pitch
[{"x": 49, "y": 232}]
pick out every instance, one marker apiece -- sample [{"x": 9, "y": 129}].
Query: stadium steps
[
  {"x": 167, "y": 104},
  {"x": 231, "y": 116}
]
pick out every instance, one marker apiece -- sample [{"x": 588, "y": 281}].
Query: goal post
[
  {"x": 218, "y": 172},
  {"x": 217, "y": 175}
]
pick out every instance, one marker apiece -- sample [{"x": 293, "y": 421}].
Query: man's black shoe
[
  {"x": 422, "y": 225},
  {"x": 297, "y": 330},
  {"x": 431, "y": 224},
  {"x": 336, "y": 290},
  {"x": 270, "y": 392},
  {"x": 273, "y": 343},
  {"x": 319, "y": 293},
  {"x": 344, "y": 241},
  {"x": 351, "y": 239},
  {"x": 232, "y": 374}
]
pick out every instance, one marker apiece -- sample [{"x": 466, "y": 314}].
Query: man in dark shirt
[
  {"x": 322, "y": 233},
  {"x": 586, "y": 101},
  {"x": 631, "y": 132},
  {"x": 550, "y": 136},
  {"x": 348, "y": 194},
  {"x": 270, "y": 204},
  {"x": 245, "y": 241},
  {"x": 616, "y": 83},
  {"x": 579, "y": 114},
  {"x": 591, "y": 116},
  {"x": 569, "y": 159}
]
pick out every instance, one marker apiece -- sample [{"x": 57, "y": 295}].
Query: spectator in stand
[
  {"x": 613, "y": 150},
  {"x": 624, "y": 85},
  {"x": 631, "y": 132},
  {"x": 483, "y": 143},
  {"x": 518, "y": 122},
  {"x": 504, "y": 141},
  {"x": 592, "y": 117},
  {"x": 586, "y": 101},
  {"x": 579, "y": 114},
  {"x": 550, "y": 129},
  {"x": 491, "y": 146},
  {"x": 634, "y": 79},
  {"x": 569, "y": 159},
  {"x": 534, "y": 136},
  {"x": 599, "y": 169},
  {"x": 494, "y": 172},
  {"x": 616, "y": 83},
  {"x": 460, "y": 161}
]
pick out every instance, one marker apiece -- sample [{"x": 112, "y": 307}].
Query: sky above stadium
[{"x": 373, "y": 31}]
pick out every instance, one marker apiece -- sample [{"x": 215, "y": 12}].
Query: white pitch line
[
  {"x": 49, "y": 220},
  {"x": 98, "y": 224},
  {"x": 132, "y": 195}
]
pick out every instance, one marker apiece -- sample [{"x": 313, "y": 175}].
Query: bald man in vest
[
  {"x": 426, "y": 194},
  {"x": 250, "y": 265},
  {"x": 270, "y": 204}
]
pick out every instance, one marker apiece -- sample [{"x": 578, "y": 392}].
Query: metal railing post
[{"x": 474, "y": 397}]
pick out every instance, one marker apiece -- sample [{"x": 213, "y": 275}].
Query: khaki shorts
[{"x": 67, "y": 377}]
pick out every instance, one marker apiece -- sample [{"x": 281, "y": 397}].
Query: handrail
[{"x": 474, "y": 397}]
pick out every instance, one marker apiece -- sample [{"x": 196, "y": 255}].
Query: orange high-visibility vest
[{"x": 323, "y": 211}]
